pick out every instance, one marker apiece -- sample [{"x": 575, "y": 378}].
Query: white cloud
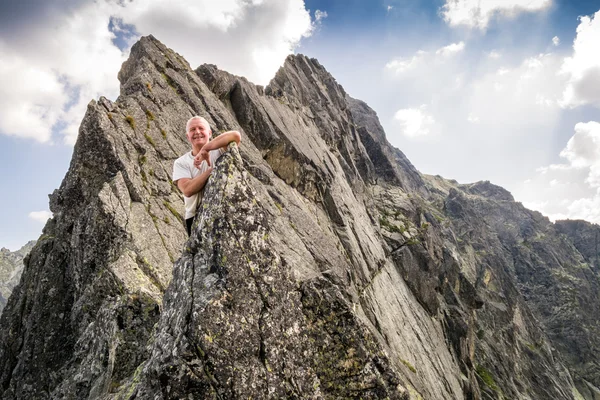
[
  {"x": 451, "y": 49},
  {"x": 527, "y": 94},
  {"x": 477, "y": 13},
  {"x": 414, "y": 121},
  {"x": 555, "y": 40},
  {"x": 497, "y": 118},
  {"x": 494, "y": 55},
  {"x": 319, "y": 15},
  {"x": 400, "y": 65},
  {"x": 583, "y": 149},
  {"x": 257, "y": 35},
  {"x": 473, "y": 118},
  {"x": 47, "y": 79},
  {"x": 40, "y": 216},
  {"x": 422, "y": 58},
  {"x": 583, "y": 68},
  {"x": 524, "y": 95},
  {"x": 572, "y": 189},
  {"x": 389, "y": 8}
]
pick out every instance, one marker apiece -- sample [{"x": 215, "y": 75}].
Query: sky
[{"x": 500, "y": 90}]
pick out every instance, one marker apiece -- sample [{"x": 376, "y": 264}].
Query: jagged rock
[
  {"x": 322, "y": 263},
  {"x": 11, "y": 267}
]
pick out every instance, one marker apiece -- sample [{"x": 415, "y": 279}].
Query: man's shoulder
[
  {"x": 183, "y": 167},
  {"x": 184, "y": 159}
]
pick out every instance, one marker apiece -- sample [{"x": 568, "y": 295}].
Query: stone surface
[{"x": 322, "y": 263}]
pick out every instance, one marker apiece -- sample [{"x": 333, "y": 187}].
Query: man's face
[{"x": 198, "y": 133}]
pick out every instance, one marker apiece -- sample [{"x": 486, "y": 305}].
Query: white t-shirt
[{"x": 184, "y": 168}]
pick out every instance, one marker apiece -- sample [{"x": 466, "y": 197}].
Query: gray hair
[{"x": 203, "y": 120}]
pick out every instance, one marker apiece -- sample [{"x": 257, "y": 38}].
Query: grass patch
[
  {"x": 279, "y": 207},
  {"x": 487, "y": 378},
  {"x": 413, "y": 241},
  {"x": 169, "y": 81},
  {"x": 149, "y": 139},
  {"x": 386, "y": 224},
  {"x": 173, "y": 210},
  {"x": 143, "y": 159},
  {"x": 409, "y": 366},
  {"x": 163, "y": 133},
  {"x": 130, "y": 121},
  {"x": 149, "y": 86}
]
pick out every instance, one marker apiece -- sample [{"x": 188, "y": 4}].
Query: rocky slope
[
  {"x": 11, "y": 267},
  {"x": 322, "y": 265}
]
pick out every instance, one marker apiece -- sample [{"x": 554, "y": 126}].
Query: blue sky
[{"x": 507, "y": 91}]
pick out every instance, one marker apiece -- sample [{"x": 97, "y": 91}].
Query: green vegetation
[
  {"x": 409, "y": 366},
  {"x": 169, "y": 81},
  {"x": 149, "y": 139},
  {"x": 486, "y": 377},
  {"x": 279, "y": 207},
  {"x": 143, "y": 159},
  {"x": 163, "y": 133},
  {"x": 530, "y": 346},
  {"x": 149, "y": 86},
  {"x": 173, "y": 210},
  {"x": 413, "y": 241},
  {"x": 150, "y": 115},
  {"x": 130, "y": 121},
  {"x": 385, "y": 223}
]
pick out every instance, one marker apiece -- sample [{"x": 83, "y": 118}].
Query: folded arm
[
  {"x": 191, "y": 186},
  {"x": 220, "y": 141}
]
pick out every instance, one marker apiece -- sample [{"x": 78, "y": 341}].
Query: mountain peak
[{"x": 322, "y": 264}]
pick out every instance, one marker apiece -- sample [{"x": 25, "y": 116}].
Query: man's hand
[
  {"x": 222, "y": 141},
  {"x": 202, "y": 156}
]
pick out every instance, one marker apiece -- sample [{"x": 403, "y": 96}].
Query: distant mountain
[{"x": 11, "y": 267}]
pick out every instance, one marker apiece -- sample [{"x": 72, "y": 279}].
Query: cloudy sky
[{"x": 499, "y": 90}]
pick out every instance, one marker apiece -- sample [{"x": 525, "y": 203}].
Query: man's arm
[
  {"x": 220, "y": 141},
  {"x": 191, "y": 186}
]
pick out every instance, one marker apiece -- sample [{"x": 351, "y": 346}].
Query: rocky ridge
[{"x": 322, "y": 265}]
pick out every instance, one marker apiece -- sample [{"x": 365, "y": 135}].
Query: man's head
[{"x": 198, "y": 131}]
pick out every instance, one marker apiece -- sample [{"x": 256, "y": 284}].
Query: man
[{"x": 191, "y": 170}]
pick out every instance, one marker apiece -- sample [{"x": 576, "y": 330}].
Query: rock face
[
  {"x": 322, "y": 264},
  {"x": 11, "y": 267}
]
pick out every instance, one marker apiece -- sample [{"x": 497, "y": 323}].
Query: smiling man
[{"x": 192, "y": 170}]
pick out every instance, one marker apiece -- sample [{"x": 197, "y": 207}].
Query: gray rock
[{"x": 322, "y": 263}]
